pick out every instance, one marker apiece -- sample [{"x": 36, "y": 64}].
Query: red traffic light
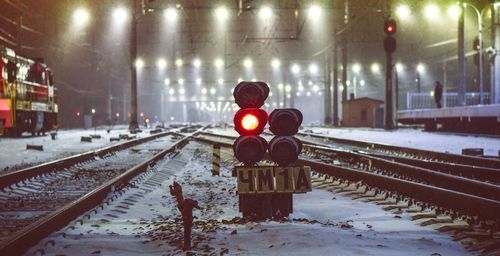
[
  {"x": 249, "y": 149},
  {"x": 285, "y": 150},
  {"x": 250, "y": 121},
  {"x": 285, "y": 121},
  {"x": 251, "y": 94},
  {"x": 390, "y": 26}
]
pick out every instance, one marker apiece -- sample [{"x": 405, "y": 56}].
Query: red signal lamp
[
  {"x": 390, "y": 27},
  {"x": 250, "y": 121}
]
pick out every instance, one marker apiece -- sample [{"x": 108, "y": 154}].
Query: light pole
[{"x": 480, "y": 37}]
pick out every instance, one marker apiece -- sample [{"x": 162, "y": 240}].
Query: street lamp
[{"x": 480, "y": 36}]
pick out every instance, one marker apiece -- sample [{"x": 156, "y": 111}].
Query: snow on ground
[
  {"x": 414, "y": 139},
  {"x": 145, "y": 220},
  {"x": 14, "y": 155}
]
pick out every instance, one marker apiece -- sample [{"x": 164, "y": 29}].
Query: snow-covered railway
[
  {"x": 440, "y": 193},
  {"x": 49, "y": 196}
]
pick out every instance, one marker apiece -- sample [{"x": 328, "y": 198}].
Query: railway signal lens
[
  {"x": 249, "y": 149},
  {"x": 251, "y": 94},
  {"x": 285, "y": 122},
  {"x": 390, "y": 27},
  {"x": 249, "y": 122}
]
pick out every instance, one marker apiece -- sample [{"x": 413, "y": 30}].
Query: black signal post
[{"x": 389, "y": 47}]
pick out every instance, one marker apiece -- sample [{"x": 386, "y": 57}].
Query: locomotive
[{"x": 28, "y": 97}]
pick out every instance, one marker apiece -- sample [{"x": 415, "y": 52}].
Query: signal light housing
[
  {"x": 390, "y": 26},
  {"x": 249, "y": 149},
  {"x": 251, "y": 94},
  {"x": 285, "y": 122},
  {"x": 250, "y": 121},
  {"x": 285, "y": 150}
]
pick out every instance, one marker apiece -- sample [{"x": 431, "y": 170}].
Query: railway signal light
[
  {"x": 284, "y": 123},
  {"x": 475, "y": 45},
  {"x": 390, "y": 27},
  {"x": 250, "y": 121}
]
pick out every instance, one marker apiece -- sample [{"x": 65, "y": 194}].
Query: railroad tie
[{"x": 216, "y": 160}]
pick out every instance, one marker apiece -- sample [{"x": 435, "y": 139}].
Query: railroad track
[
  {"x": 468, "y": 208},
  {"x": 403, "y": 152},
  {"x": 56, "y": 195}
]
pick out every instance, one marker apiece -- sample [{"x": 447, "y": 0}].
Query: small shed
[{"x": 360, "y": 112}]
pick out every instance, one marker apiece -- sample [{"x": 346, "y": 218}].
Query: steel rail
[
  {"x": 455, "y": 200},
  {"x": 445, "y": 157},
  {"x": 473, "y": 172},
  {"x": 59, "y": 164},
  {"x": 458, "y": 201},
  {"x": 22, "y": 240},
  {"x": 436, "y": 178}
]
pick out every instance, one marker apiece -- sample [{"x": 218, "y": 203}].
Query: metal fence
[{"x": 422, "y": 100}]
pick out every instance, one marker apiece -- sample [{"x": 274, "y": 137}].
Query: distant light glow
[
  {"x": 240, "y": 79},
  {"x": 420, "y": 68},
  {"x": 431, "y": 11},
  {"x": 139, "y": 63},
  {"x": 265, "y": 12},
  {"x": 280, "y": 86},
  {"x": 198, "y": 81},
  {"x": 179, "y": 62},
  {"x": 314, "y": 12},
  {"x": 220, "y": 81},
  {"x": 182, "y": 91},
  {"x": 161, "y": 63},
  {"x": 197, "y": 63},
  {"x": 247, "y": 63},
  {"x": 454, "y": 11},
  {"x": 288, "y": 88},
  {"x": 180, "y": 81},
  {"x": 171, "y": 14},
  {"x": 362, "y": 82},
  {"x": 81, "y": 16},
  {"x": 213, "y": 91},
  {"x": 375, "y": 68},
  {"x": 120, "y": 14},
  {"x": 356, "y": 68},
  {"x": 167, "y": 81},
  {"x": 171, "y": 91},
  {"x": 218, "y": 62},
  {"x": 399, "y": 67},
  {"x": 313, "y": 69},
  {"x": 315, "y": 88},
  {"x": 403, "y": 11},
  {"x": 275, "y": 63},
  {"x": 221, "y": 13},
  {"x": 204, "y": 90},
  {"x": 295, "y": 68}
]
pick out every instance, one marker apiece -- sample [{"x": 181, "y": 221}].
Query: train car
[
  {"x": 480, "y": 119},
  {"x": 28, "y": 97}
]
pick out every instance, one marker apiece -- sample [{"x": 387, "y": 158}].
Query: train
[{"x": 28, "y": 95}]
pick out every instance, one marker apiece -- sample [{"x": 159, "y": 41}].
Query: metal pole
[
  {"x": 462, "y": 77},
  {"x": 335, "y": 86},
  {"x": 133, "y": 72},
  {"x": 481, "y": 96},
  {"x": 328, "y": 92},
  {"x": 344, "y": 59},
  {"x": 496, "y": 96},
  {"x": 397, "y": 89},
  {"x": 389, "y": 122}
]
